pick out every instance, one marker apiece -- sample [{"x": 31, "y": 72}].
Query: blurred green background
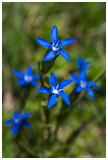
[{"x": 76, "y": 131}]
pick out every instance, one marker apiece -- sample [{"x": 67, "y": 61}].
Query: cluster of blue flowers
[{"x": 56, "y": 89}]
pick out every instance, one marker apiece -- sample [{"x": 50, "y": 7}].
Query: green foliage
[{"x": 61, "y": 131}]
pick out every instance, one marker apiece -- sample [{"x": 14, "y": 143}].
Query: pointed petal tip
[
  {"x": 25, "y": 115},
  {"x": 53, "y": 80},
  {"x": 13, "y": 71},
  {"x": 68, "y": 103},
  {"x": 13, "y": 133},
  {"x": 43, "y": 42},
  {"x": 55, "y": 25},
  {"x": 68, "y": 59},
  {"x": 30, "y": 126},
  {"x": 67, "y": 41},
  {"x": 49, "y": 106},
  {"x": 97, "y": 86},
  {"x": 9, "y": 122},
  {"x": 29, "y": 113},
  {"x": 37, "y": 90},
  {"x": 54, "y": 34},
  {"x": 64, "y": 54},
  {"x": 92, "y": 98},
  {"x": 45, "y": 59},
  {"x": 74, "y": 40},
  {"x": 70, "y": 74},
  {"x": 36, "y": 39},
  {"x": 34, "y": 83},
  {"x": 74, "y": 78}
]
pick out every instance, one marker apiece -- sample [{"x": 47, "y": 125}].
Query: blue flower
[
  {"x": 56, "y": 89},
  {"x": 82, "y": 83},
  {"x": 17, "y": 121},
  {"x": 55, "y": 45},
  {"x": 27, "y": 77},
  {"x": 82, "y": 65}
]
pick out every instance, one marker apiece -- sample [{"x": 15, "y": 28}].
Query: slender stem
[
  {"x": 41, "y": 76},
  {"x": 47, "y": 116},
  {"x": 46, "y": 110}
]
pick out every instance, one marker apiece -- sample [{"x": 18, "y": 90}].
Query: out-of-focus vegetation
[{"x": 61, "y": 131}]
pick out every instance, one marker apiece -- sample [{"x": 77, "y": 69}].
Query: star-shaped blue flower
[
  {"x": 55, "y": 45},
  {"x": 27, "y": 77},
  {"x": 56, "y": 90},
  {"x": 82, "y": 65},
  {"x": 17, "y": 121},
  {"x": 82, "y": 83}
]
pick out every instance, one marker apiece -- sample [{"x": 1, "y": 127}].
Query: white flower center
[
  {"x": 55, "y": 47},
  {"x": 17, "y": 120},
  {"x": 28, "y": 78},
  {"x": 56, "y": 90},
  {"x": 83, "y": 84}
]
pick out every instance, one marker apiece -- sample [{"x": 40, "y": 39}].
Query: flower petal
[
  {"x": 21, "y": 82},
  {"x": 16, "y": 114},
  {"x": 66, "y": 42},
  {"x": 25, "y": 123},
  {"x": 10, "y": 121},
  {"x": 43, "y": 42},
  {"x": 25, "y": 115},
  {"x": 34, "y": 83},
  {"x": 90, "y": 92},
  {"x": 15, "y": 128},
  {"x": 64, "y": 54},
  {"x": 37, "y": 76},
  {"x": 54, "y": 34},
  {"x": 79, "y": 88},
  {"x": 53, "y": 80},
  {"x": 29, "y": 71},
  {"x": 50, "y": 55},
  {"x": 87, "y": 65},
  {"x": 52, "y": 100},
  {"x": 18, "y": 74},
  {"x": 65, "y": 97},
  {"x": 44, "y": 90},
  {"x": 80, "y": 62},
  {"x": 74, "y": 78},
  {"x": 64, "y": 83},
  {"x": 82, "y": 75},
  {"x": 82, "y": 65},
  {"x": 93, "y": 84}
]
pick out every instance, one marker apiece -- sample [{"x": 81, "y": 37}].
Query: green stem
[
  {"x": 46, "y": 110},
  {"x": 41, "y": 76}
]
